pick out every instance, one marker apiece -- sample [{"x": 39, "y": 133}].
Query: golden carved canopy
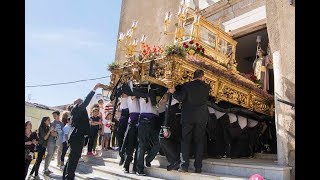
[{"x": 219, "y": 64}]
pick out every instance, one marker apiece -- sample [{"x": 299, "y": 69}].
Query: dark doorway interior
[{"x": 246, "y": 49}]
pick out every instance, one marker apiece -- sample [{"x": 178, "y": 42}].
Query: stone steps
[
  {"x": 268, "y": 168},
  {"x": 157, "y": 171},
  {"x": 105, "y": 164},
  {"x": 102, "y": 166},
  {"x": 266, "y": 156},
  {"x": 86, "y": 171}
]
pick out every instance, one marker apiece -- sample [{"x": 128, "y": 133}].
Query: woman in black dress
[{"x": 30, "y": 142}]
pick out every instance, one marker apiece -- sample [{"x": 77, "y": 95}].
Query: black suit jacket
[
  {"x": 79, "y": 117},
  {"x": 194, "y": 96}
]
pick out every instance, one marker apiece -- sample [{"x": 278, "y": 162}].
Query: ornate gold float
[{"x": 218, "y": 62}]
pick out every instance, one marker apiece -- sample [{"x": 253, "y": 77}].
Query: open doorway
[
  {"x": 247, "y": 48},
  {"x": 245, "y": 56}
]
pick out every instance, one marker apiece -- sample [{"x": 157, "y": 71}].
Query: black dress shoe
[
  {"x": 148, "y": 164},
  {"x": 198, "y": 170},
  {"x": 134, "y": 170},
  {"x": 140, "y": 173},
  {"x": 125, "y": 170},
  {"x": 184, "y": 170},
  {"x": 174, "y": 166},
  {"x": 121, "y": 162}
]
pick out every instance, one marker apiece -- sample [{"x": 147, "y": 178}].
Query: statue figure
[
  {"x": 259, "y": 68},
  {"x": 263, "y": 70}
]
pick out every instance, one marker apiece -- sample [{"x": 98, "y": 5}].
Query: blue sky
[{"x": 68, "y": 40}]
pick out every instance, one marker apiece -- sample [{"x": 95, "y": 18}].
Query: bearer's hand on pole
[{"x": 98, "y": 85}]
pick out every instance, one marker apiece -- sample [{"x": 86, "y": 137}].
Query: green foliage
[
  {"x": 113, "y": 66},
  {"x": 175, "y": 49}
]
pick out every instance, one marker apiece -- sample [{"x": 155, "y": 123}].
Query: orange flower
[{"x": 154, "y": 49}]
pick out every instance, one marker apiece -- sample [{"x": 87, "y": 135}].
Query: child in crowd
[
  {"x": 65, "y": 143},
  {"x": 95, "y": 120},
  {"x": 106, "y": 131}
]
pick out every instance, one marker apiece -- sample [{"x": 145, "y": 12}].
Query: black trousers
[
  {"x": 76, "y": 144},
  {"x": 35, "y": 168},
  {"x": 120, "y": 136},
  {"x": 171, "y": 148},
  {"x": 64, "y": 150},
  {"x": 148, "y": 140},
  {"x": 93, "y": 137},
  {"x": 197, "y": 132},
  {"x": 27, "y": 164},
  {"x": 123, "y": 123},
  {"x": 86, "y": 140},
  {"x": 131, "y": 145},
  {"x": 223, "y": 136}
]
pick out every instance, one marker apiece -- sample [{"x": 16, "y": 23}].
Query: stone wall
[
  {"x": 281, "y": 32},
  {"x": 35, "y": 115},
  {"x": 227, "y": 10},
  {"x": 150, "y": 15}
]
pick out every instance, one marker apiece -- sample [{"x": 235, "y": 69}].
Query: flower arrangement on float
[
  {"x": 193, "y": 48},
  {"x": 253, "y": 78},
  {"x": 175, "y": 49},
  {"x": 151, "y": 53}
]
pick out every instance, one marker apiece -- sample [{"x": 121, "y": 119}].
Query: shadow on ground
[{"x": 86, "y": 166}]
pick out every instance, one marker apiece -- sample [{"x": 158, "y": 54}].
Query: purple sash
[
  {"x": 133, "y": 118},
  {"x": 147, "y": 117}
]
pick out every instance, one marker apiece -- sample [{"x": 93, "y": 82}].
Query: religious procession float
[{"x": 198, "y": 44}]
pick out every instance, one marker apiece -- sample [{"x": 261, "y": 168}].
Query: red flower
[
  {"x": 198, "y": 49},
  {"x": 197, "y": 44},
  {"x": 202, "y": 50},
  {"x": 191, "y": 42},
  {"x": 254, "y": 78},
  {"x": 186, "y": 46},
  {"x": 184, "y": 43}
]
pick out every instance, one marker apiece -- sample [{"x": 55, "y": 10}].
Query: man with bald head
[{"x": 80, "y": 128}]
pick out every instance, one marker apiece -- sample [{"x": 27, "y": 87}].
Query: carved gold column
[
  {"x": 216, "y": 87},
  {"x": 250, "y": 103},
  {"x": 196, "y": 28}
]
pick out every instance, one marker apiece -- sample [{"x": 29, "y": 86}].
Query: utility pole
[{"x": 29, "y": 99}]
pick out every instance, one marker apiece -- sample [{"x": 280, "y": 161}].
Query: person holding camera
[
  {"x": 54, "y": 142},
  {"x": 30, "y": 142}
]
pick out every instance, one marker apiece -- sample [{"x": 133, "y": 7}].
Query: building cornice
[{"x": 218, "y": 6}]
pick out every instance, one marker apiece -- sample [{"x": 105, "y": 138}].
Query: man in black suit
[
  {"x": 79, "y": 129},
  {"x": 194, "y": 116},
  {"x": 170, "y": 138}
]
